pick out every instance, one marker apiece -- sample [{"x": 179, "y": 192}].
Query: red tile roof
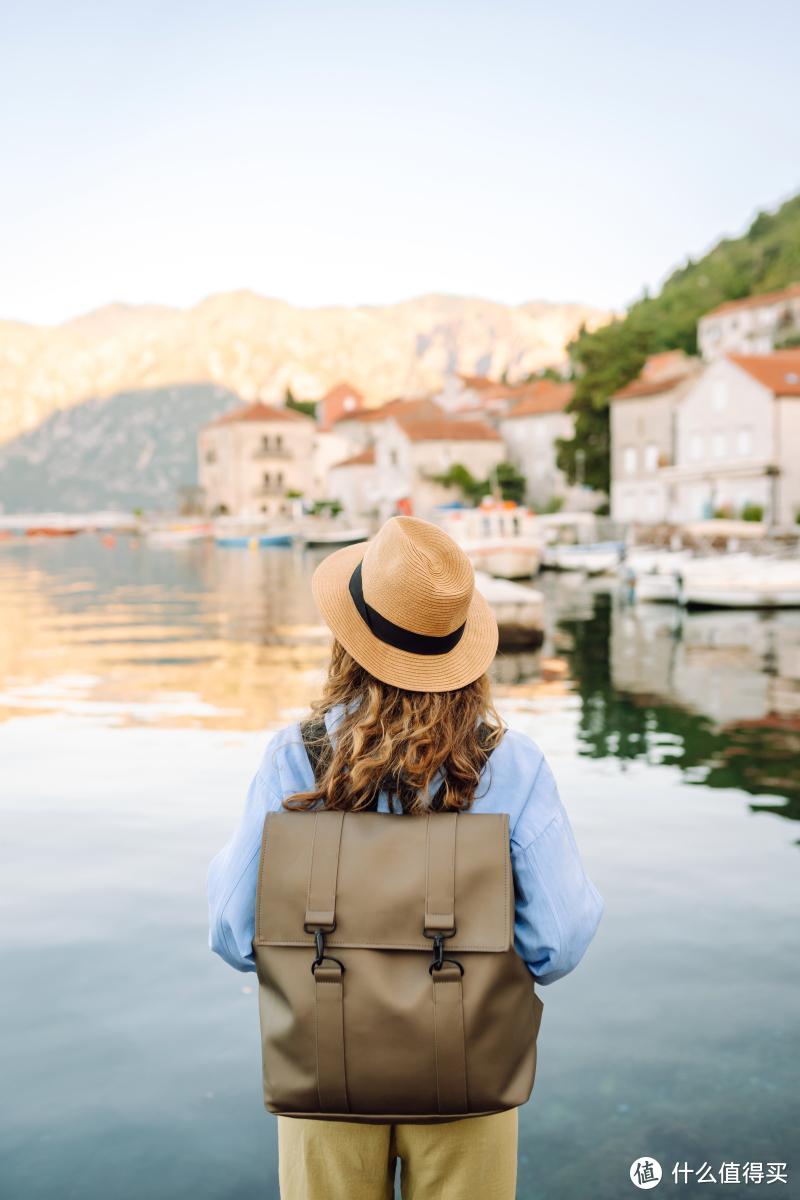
[
  {"x": 648, "y": 387},
  {"x": 765, "y": 299},
  {"x": 443, "y": 430},
  {"x": 341, "y": 392},
  {"x": 541, "y": 397},
  {"x": 667, "y": 363},
  {"x": 365, "y": 459},
  {"x": 490, "y": 388},
  {"x": 395, "y": 408},
  {"x": 259, "y": 412},
  {"x": 341, "y": 401},
  {"x": 779, "y": 371}
]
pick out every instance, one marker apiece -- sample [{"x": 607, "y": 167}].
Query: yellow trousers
[{"x": 475, "y": 1159}]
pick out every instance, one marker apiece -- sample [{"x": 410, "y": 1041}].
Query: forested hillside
[{"x": 763, "y": 259}]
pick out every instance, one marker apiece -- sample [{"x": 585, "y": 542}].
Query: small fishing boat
[
  {"x": 176, "y": 535},
  {"x": 51, "y": 531},
  {"x": 332, "y": 535},
  {"x": 499, "y": 537},
  {"x": 252, "y": 541},
  {"x": 740, "y": 581},
  {"x": 652, "y": 575},
  {"x": 237, "y": 534},
  {"x": 590, "y": 558},
  {"x": 519, "y": 611}
]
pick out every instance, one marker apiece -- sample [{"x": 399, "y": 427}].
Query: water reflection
[
  {"x": 196, "y": 637},
  {"x": 231, "y": 639},
  {"x": 716, "y": 694},
  {"x": 129, "y": 678}
]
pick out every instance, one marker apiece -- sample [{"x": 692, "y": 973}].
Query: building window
[
  {"x": 211, "y": 456},
  {"x": 719, "y": 445},
  {"x": 267, "y": 479},
  {"x": 279, "y": 441},
  {"x": 744, "y": 442},
  {"x": 279, "y": 478},
  {"x": 393, "y": 457},
  {"x": 265, "y": 442},
  {"x": 695, "y": 447},
  {"x": 651, "y": 456},
  {"x": 719, "y": 395},
  {"x": 629, "y": 460}
]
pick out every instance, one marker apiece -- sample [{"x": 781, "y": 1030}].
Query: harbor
[{"x": 674, "y": 736}]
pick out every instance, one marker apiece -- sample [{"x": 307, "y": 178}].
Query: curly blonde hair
[{"x": 397, "y": 740}]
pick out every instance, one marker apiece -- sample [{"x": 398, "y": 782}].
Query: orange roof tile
[
  {"x": 764, "y": 299},
  {"x": 394, "y": 408},
  {"x": 443, "y": 430},
  {"x": 365, "y": 459},
  {"x": 341, "y": 392},
  {"x": 649, "y": 387},
  {"x": 668, "y": 363},
  {"x": 259, "y": 412},
  {"x": 341, "y": 401},
  {"x": 543, "y": 396},
  {"x": 779, "y": 371}
]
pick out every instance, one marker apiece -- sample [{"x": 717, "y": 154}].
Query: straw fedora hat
[{"x": 404, "y": 605}]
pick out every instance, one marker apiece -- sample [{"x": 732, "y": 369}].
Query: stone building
[
  {"x": 531, "y": 430},
  {"x": 644, "y": 430},
  {"x": 253, "y": 459},
  {"x": 754, "y": 325}
]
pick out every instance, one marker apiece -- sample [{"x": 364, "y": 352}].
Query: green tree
[
  {"x": 309, "y": 407},
  {"x": 604, "y": 362},
  {"x": 505, "y": 478},
  {"x": 766, "y": 258},
  {"x": 511, "y": 483}
]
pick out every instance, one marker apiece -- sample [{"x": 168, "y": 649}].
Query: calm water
[{"x": 137, "y": 690}]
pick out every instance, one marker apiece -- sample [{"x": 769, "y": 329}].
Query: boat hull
[{"x": 256, "y": 542}]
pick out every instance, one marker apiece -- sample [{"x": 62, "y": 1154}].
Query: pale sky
[{"x": 345, "y": 153}]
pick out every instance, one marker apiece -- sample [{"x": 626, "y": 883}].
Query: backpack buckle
[
  {"x": 438, "y": 956},
  {"x": 319, "y": 942},
  {"x": 321, "y": 956}
]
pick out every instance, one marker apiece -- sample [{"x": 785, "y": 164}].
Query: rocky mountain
[
  {"x": 257, "y": 348},
  {"x": 132, "y": 450}
]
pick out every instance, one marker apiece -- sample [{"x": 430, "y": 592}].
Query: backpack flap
[{"x": 376, "y": 880}]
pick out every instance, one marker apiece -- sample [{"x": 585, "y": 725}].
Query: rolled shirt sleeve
[
  {"x": 557, "y": 907},
  {"x": 233, "y": 880}
]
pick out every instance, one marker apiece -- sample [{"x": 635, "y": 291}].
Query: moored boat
[
  {"x": 590, "y": 558},
  {"x": 519, "y": 611},
  {"x": 332, "y": 535},
  {"x": 178, "y": 534},
  {"x": 239, "y": 534},
  {"x": 499, "y": 538},
  {"x": 743, "y": 582}
]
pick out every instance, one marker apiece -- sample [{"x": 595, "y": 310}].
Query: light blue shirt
[{"x": 557, "y": 907}]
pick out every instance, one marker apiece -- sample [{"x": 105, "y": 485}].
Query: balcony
[{"x": 278, "y": 453}]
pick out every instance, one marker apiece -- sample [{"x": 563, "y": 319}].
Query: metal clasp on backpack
[
  {"x": 321, "y": 956},
  {"x": 438, "y": 956}
]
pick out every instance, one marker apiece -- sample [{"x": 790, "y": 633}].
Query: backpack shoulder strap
[
  {"x": 485, "y": 733},
  {"x": 317, "y": 744}
]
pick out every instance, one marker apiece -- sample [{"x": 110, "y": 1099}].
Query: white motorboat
[
  {"x": 332, "y": 535},
  {"x": 241, "y": 533},
  {"x": 740, "y": 581},
  {"x": 652, "y": 575},
  {"x": 590, "y": 558},
  {"x": 178, "y": 533},
  {"x": 499, "y": 538},
  {"x": 519, "y": 610}
]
